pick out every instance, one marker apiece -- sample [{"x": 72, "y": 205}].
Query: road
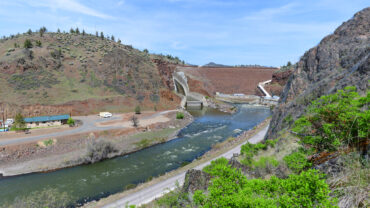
[
  {"x": 88, "y": 125},
  {"x": 157, "y": 190}
]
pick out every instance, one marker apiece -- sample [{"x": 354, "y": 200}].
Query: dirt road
[
  {"x": 150, "y": 193},
  {"x": 89, "y": 124}
]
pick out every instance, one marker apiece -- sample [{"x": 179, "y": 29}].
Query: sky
[{"x": 232, "y": 32}]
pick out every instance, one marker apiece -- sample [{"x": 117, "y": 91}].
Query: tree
[
  {"x": 135, "y": 121},
  {"x": 58, "y": 31},
  {"x": 38, "y": 43},
  {"x": 27, "y": 44},
  {"x": 97, "y": 34},
  {"x": 102, "y": 35},
  {"x": 119, "y": 41},
  {"x": 42, "y": 31},
  {"x": 83, "y": 32},
  {"x": 72, "y": 30},
  {"x": 146, "y": 51},
  {"x": 137, "y": 109},
  {"x": 289, "y": 63},
  {"x": 112, "y": 38},
  {"x": 77, "y": 31},
  {"x": 29, "y": 32},
  {"x": 19, "y": 122},
  {"x": 70, "y": 121}
]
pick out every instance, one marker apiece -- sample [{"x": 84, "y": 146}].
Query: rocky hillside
[
  {"x": 340, "y": 59},
  {"x": 50, "y": 73}
]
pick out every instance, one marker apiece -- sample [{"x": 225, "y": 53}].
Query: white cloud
[
  {"x": 69, "y": 5},
  {"x": 270, "y": 13}
]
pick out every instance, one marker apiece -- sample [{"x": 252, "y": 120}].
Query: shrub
[
  {"x": 335, "y": 120},
  {"x": 137, "y": 109},
  {"x": 19, "y": 123},
  {"x": 38, "y": 43},
  {"x": 179, "y": 115},
  {"x": 99, "y": 150},
  {"x": 230, "y": 188},
  {"x": 27, "y": 44},
  {"x": 70, "y": 121},
  {"x": 135, "y": 121},
  {"x": 297, "y": 161}
]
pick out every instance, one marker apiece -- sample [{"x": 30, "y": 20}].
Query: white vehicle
[
  {"x": 105, "y": 114},
  {"x": 9, "y": 121}
]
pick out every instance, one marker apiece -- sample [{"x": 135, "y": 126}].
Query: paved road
[
  {"x": 88, "y": 125},
  {"x": 154, "y": 191}
]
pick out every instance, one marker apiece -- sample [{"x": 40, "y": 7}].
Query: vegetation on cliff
[{"x": 271, "y": 176}]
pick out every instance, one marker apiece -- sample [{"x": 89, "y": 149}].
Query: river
[{"x": 94, "y": 181}]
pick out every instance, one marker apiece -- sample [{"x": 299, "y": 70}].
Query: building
[{"x": 45, "y": 121}]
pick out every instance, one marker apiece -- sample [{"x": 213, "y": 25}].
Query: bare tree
[{"x": 135, "y": 121}]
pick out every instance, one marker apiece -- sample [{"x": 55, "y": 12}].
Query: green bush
[
  {"x": 335, "y": 120},
  {"x": 179, "y": 115},
  {"x": 230, "y": 188},
  {"x": 19, "y": 123},
  {"x": 137, "y": 109},
  {"x": 27, "y": 44},
  {"x": 70, "y": 121},
  {"x": 264, "y": 161},
  {"x": 297, "y": 161}
]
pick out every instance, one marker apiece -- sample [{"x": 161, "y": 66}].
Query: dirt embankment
[
  {"x": 228, "y": 80},
  {"x": 60, "y": 152},
  {"x": 93, "y": 106}
]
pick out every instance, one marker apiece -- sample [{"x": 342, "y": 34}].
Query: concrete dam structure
[{"x": 189, "y": 99}]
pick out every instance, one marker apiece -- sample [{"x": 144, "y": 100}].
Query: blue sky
[{"x": 198, "y": 31}]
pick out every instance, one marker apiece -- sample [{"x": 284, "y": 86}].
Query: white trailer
[{"x": 105, "y": 114}]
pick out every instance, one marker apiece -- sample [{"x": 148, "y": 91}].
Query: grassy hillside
[{"x": 57, "y": 68}]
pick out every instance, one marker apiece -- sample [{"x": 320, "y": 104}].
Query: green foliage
[
  {"x": 19, "y": 123},
  {"x": 48, "y": 142},
  {"x": 42, "y": 31},
  {"x": 264, "y": 161},
  {"x": 70, "y": 121},
  {"x": 179, "y": 115},
  {"x": 27, "y": 44},
  {"x": 248, "y": 150},
  {"x": 174, "y": 199},
  {"x": 143, "y": 143},
  {"x": 137, "y": 109},
  {"x": 38, "y": 43},
  {"x": 335, "y": 120},
  {"x": 230, "y": 188},
  {"x": 297, "y": 161},
  {"x": 215, "y": 166}
]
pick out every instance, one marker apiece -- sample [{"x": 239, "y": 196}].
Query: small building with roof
[{"x": 45, "y": 121}]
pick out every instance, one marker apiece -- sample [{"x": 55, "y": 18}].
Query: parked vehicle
[{"x": 105, "y": 114}]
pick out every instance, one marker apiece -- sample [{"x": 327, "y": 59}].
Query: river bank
[
  {"x": 216, "y": 151},
  {"x": 68, "y": 151}
]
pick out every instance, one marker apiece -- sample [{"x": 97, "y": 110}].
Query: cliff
[{"x": 340, "y": 59}]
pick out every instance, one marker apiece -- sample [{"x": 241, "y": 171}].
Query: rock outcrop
[
  {"x": 341, "y": 59},
  {"x": 195, "y": 180}
]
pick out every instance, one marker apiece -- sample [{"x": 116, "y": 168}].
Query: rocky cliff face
[{"x": 340, "y": 60}]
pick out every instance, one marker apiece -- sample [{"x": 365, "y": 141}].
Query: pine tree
[
  {"x": 29, "y": 32},
  {"x": 102, "y": 35},
  {"x": 112, "y": 38},
  {"x": 83, "y": 32},
  {"x": 77, "y": 31}
]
